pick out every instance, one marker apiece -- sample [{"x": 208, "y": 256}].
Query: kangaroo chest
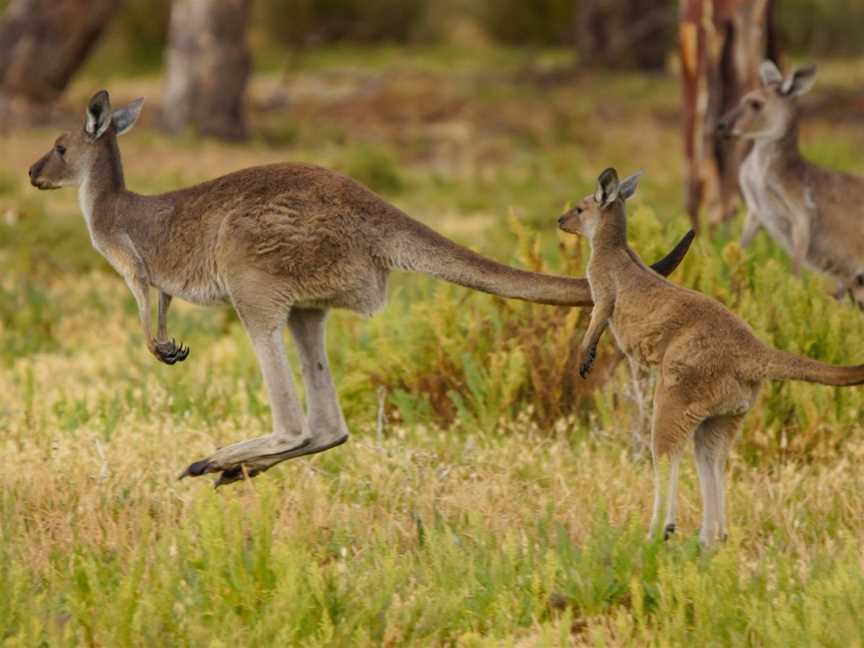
[{"x": 764, "y": 197}]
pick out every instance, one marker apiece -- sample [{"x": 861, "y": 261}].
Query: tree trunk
[
  {"x": 208, "y": 66},
  {"x": 625, "y": 33},
  {"x": 722, "y": 43},
  {"x": 42, "y": 44}
]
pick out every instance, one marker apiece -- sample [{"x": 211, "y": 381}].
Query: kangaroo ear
[
  {"x": 770, "y": 74},
  {"x": 124, "y": 118},
  {"x": 607, "y": 187},
  {"x": 629, "y": 184},
  {"x": 97, "y": 119},
  {"x": 800, "y": 81}
]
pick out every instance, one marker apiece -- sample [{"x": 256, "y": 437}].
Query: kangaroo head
[
  {"x": 75, "y": 154},
  {"x": 604, "y": 205},
  {"x": 768, "y": 112}
]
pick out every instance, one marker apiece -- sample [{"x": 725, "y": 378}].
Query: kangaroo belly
[
  {"x": 645, "y": 350},
  {"x": 765, "y": 203},
  {"x": 636, "y": 337},
  {"x": 364, "y": 290},
  {"x": 202, "y": 292}
]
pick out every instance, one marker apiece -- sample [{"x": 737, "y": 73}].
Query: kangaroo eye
[
  {"x": 60, "y": 149},
  {"x": 579, "y": 210},
  {"x": 755, "y": 105}
]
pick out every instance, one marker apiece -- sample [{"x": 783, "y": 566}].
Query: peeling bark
[{"x": 721, "y": 43}]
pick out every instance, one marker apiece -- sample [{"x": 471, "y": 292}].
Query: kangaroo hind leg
[
  {"x": 673, "y": 422},
  {"x": 326, "y": 422},
  {"x": 712, "y": 443},
  {"x": 290, "y": 436}
]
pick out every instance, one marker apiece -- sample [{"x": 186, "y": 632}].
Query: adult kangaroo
[
  {"x": 282, "y": 243},
  {"x": 813, "y": 212}
]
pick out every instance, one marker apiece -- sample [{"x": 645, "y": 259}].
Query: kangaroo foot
[
  {"x": 669, "y": 531},
  {"x": 250, "y": 453},
  {"x": 236, "y": 472},
  {"x": 256, "y": 456},
  {"x": 169, "y": 352}
]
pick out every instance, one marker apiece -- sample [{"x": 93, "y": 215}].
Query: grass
[{"x": 499, "y": 505}]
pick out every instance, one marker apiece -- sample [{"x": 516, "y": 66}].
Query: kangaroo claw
[
  {"x": 585, "y": 367},
  {"x": 170, "y": 353},
  {"x": 236, "y": 473}
]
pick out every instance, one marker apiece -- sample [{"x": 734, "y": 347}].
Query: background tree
[
  {"x": 43, "y": 43},
  {"x": 207, "y": 67},
  {"x": 722, "y": 43}
]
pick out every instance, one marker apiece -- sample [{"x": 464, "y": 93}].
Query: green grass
[{"x": 499, "y": 504}]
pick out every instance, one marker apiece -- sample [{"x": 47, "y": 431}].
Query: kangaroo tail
[
  {"x": 418, "y": 248},
  {"x": 788, "y": 366}
]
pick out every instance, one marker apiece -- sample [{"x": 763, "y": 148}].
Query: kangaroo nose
[{"x": 561, "y": 220}]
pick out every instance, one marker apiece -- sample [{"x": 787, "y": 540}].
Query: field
[{"x": 498, "y": 500}]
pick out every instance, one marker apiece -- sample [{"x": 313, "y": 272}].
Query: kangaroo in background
[
  {"x": 816, "y": 214},
  {"x": 282, "y": 244},
  {"x": 710, "y": 363}
]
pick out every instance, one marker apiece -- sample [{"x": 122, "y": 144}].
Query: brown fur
[
  {"x": 281, "y": 243},
  {"x": 710, "y": 363},
  {"x": 813, "y": 212}
]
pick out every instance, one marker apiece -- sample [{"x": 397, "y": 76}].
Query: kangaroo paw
[
  {"x": 170, "y": 353},
  {"x": 669, "y": 531},
  {"x": 587, "y": 362}
]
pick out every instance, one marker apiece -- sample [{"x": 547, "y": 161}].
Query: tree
[
  {"x": 722, "y": 43},
  {"x": 208, "y": 65},
  {"x": 43, "y": 43}
]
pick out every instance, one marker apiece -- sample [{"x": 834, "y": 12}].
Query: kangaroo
[
  {"x": 710, "y": 363},
  {"x": 813, "y": 212},
  {"x": 281, "y": 243}
]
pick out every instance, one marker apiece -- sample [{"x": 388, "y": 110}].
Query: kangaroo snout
[{"x": 33, "y": 173}]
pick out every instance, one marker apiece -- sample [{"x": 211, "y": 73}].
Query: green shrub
[{"x": 376, "y": 169}]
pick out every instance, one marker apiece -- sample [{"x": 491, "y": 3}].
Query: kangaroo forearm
[
  {"x": 141, "y": 292},
  {"x": 599, "y": 321},
  {"x": 164, "y": 304}
]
